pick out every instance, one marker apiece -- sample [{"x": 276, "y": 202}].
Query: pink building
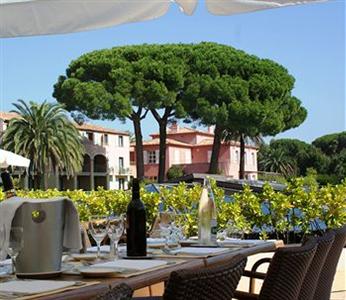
[{"x": 192, "y": 149}]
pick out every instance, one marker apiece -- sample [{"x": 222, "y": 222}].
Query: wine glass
[
  {"x": 166, "y": 220},
  {"x": 98, "y": 228},
  {"x": 115, "y": 231},
  {"x": 15, "y": 245}
]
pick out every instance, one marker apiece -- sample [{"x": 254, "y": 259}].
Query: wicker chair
[
  {"x": 120, "y": 292},
  {"x": 285, "y": 275},
  {"x": 325, "y": 282},
  {"x": 211, "y": 283},
  {"x": 312, "y": 276}
]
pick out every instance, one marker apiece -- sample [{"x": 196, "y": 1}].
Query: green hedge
[{"x": 296, "y": 207}]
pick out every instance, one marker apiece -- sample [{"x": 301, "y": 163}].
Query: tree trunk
[
  {"x": 214, "y": 160},
  {"x": 37, "y": 181},
  {"x": 162, "y": 152},
  {"x": 139, "y": 146},
  {"x": 162, "y": 121},
  {"x": 242, "y": 157}
]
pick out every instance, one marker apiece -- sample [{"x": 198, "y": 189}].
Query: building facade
[
  {"x": 191, "y": 149},
  {"x": 106, "y": 159}
]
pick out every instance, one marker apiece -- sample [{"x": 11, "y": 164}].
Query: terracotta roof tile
[
  {"x": 96, "y": 128},
  {"x": 6, "y": 116},
  {"x": 168, "y": 141},
  {"x": 184, "y": 130}
]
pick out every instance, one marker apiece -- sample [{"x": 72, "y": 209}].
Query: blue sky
[{"x": 309, "y": 40}]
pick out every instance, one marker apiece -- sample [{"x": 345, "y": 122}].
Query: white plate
[
  {"x": 100, "y": 271},
  {"x": 84, "y": 256}
]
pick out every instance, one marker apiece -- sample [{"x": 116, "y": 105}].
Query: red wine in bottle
[
  {"x": 136, "y": 224},
  {"x": 8, "y": 185}
]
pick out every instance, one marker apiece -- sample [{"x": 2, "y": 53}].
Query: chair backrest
[
  {"x": 120, "y": 292},
  {"x": 216, "y": 282},
  {"x": 325, "y": 282},
  {"x": 324, "y": 243},
  {"x": 287, "y": 271}
]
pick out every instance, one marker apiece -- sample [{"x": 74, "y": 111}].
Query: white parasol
[
  {"x": 37, "y": 17},
  {"x": 8, "y": 158}
]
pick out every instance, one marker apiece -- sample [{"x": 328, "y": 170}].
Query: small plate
[
  {"x": 100, "y": 272},
  {"x": 42, "y": 275},
  {"x": 84, "y": 256}
]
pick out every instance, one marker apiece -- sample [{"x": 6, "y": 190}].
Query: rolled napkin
[
  {"x": 71, "y": 234},
  {"x": 31, "y": 287}
]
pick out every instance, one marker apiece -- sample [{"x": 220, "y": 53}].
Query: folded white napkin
[
  {"x": 199, "y": 251},
  {"x": 72, "y": 236},
  {"x": 136, "y": 264},
  {"x": 34, "y": 286}
]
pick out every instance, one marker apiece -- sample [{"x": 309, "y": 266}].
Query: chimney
[
  {"x": 174, "y": 127},
  {"x": 211, "y": 129}
]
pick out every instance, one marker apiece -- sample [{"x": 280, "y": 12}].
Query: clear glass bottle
[{"x": 207, "y": 222}]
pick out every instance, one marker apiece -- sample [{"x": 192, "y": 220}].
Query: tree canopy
[
  {"x": 44, "y": 134},
  {"x": 240, "y": 93}
]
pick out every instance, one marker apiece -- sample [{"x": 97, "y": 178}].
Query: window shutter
[
  {"x": 145, "y": 157},
  {"x": 157, "y": 153}
]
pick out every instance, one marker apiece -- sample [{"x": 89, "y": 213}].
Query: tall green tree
[
  {"x": 44, "y": 134},
  {"x": 275, "y": 160},
  {"x": 108, "y": 84},
  {"x": 240, "y": 93},
  {"x": 126, "y": 83}
]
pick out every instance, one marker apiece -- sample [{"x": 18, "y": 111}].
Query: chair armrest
[
  {"x": 245, "y": 296},
  {"x": 256, "y": 275}
]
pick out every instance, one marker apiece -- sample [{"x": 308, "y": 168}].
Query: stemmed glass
[
  {"x": 115, "y": 231},
  {"x": 98, "y": 228},
  {"x": 166, "y": 220},
  {"x": 15, "y": 245}
]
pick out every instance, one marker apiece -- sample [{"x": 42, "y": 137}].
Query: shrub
[
  {"x": 175, "y": 172},
  {"x": 299, "y": 208}
]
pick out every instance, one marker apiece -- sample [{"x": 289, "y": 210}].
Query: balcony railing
[{"x": 123, "y": 171}]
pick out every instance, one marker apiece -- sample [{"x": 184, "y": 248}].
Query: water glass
[
  {"x": 15, "y": 245},
  {"x": 98, "y": 228},
  {"x": 115, "y": 231}
]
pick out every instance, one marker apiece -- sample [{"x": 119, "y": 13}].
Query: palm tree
[
  {"x": 44, "y": 134},
  {"x": 243, "y": 139},
  {"x": 275, "y": 160}
]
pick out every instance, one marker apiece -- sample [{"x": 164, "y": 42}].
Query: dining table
[{"x": 92, "y": 287}]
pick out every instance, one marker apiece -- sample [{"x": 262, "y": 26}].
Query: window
[
  {"x": 121, "y": 141},
  {"x": 105, "y": 139},
  {"x": 209, "y": 156},
  {"x": 152, "y": 157},
  {"x": 236, "y": 156},
  {"x": 121, "y": 183},
  {"x": 121, "y": 162},
  {"x": 253, "y": 159},
  {"x": 90, "y": 136},
  {"x": 245, "y": 158}
]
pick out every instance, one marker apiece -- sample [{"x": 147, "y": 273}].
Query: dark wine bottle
[
  {"x": 136, "y": 224},
  {"x": 8, "y": 185}
]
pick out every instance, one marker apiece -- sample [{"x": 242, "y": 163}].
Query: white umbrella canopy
[
  {"x": 8, "y": 158},
  {"x": 39, "y": 17}
]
